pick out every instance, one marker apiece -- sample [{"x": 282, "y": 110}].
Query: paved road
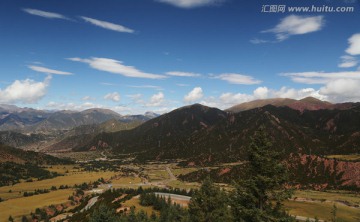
[
  {"x": 173, "y": 196},
  {"x": 91, "y": 203}
]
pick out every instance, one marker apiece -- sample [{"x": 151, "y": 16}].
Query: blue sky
[{"x": 138, "y": 55}]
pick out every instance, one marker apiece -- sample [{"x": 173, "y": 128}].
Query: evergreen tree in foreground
[
  {"x": 209, "y": 204},
  {"x": 259, "y": 197},
  {"x": 103, "y": 214}
]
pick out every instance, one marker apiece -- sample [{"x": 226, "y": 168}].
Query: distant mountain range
[
  {"x": 194, "y": 131},
  {"x": 308, "y": 126},
  {"x": 44, "y": 130},
  {"x": 28, "y": 120}
]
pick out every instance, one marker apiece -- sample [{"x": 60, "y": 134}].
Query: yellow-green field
[
  {"x": 182, "y": 185},
  {"x": 62, "y": 169},
  {"x": 135, "y": 202},
  {"x": 70, "y": 180},
  {"x": 334, "y": 196},
  {"x": 183, "y": 171},
  {"x": 353, "y": 157},
  {"x": 322, "y": 210},
  {"x": 158, "y": 175},
  {"x": 126, "y": 180},
  {"x": 25, "y": 205},
  {"x": 79, "y": 156},
  {"x": 315, "y": 203}
]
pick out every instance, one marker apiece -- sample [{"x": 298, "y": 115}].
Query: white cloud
[
  {"x": 354, "y": 45},
  {"x": 297, "y": 25},
  {"x": 235, "y": 78},
  {"x": 226, "y": 100},
  {"x": 194, "y": 95},
  {"x": 24, "y": 91},
  {"x": 192, "y": 3},
  {"x": 107, "y": 25},
  {"x": 48, "y": 71},
  {"x": 321, "y": 77},
  {"x": 50, "y": 15},
  {"x": 348, "y": 61},
  {"x": 115, "y": 97},
  {"x": 337, "y": 86},
  {"x": 183, "y": 74},
  {"x": 116, "y": 67},
  {"x": 341, "y": 90},
  {"x": 156, "y": 100},
  {"x": 261, "y": 92}
]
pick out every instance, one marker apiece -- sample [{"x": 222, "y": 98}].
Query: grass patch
[
  {"x": 70, "y": 180},
  {"x": 352, "y": 157},
  {"x": 322, "y": 210},
  {"x": 126, "y": 180},
  {"x": 155, "y": 175},
  {"x": 25, "y": 205},
  {"x": 182, "y": 185},
  {"x": 183, "y": 171},
  {"x": 62, "y": 169},
  {"x": 334, "y": 196},
  {"x": 135, "y": 202}
]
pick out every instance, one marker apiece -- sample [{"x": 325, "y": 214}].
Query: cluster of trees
[
  {"x": 36, "y": 192},
  {"x": 11, "y": 173}
]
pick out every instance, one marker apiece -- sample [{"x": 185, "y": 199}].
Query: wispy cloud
[
  {"x": 192, "y": 3},
  {"x": 296, "y": 25},
  {"x": 109, "y": 84},
  {"x": 182, "y": 84},
  {"x": 117, "y": 67},
  {"x": 235, "y": 78},
  {"x": 348, "y": 61},
  {"x": 107, "y": 25},
  {"x": 48, "y": 71},
  {"x": 258, "y": 41},
  {"x": 146, "y": 87},
  {"x": 354, "y": 45},
  {"x": 183, "y": 74},
  {"x": 49, "y": 15},
  {"x": 321, "y": 77}
]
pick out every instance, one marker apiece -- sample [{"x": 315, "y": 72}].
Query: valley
[{"x": 118, "y": 161}]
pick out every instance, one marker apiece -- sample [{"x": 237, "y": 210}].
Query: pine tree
[
  {"x": 103, "y": 214},
  {"x": 24, "y": 219},
  {"x": 209, "y": 204},
  {"x": 259, "y": 197}
]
